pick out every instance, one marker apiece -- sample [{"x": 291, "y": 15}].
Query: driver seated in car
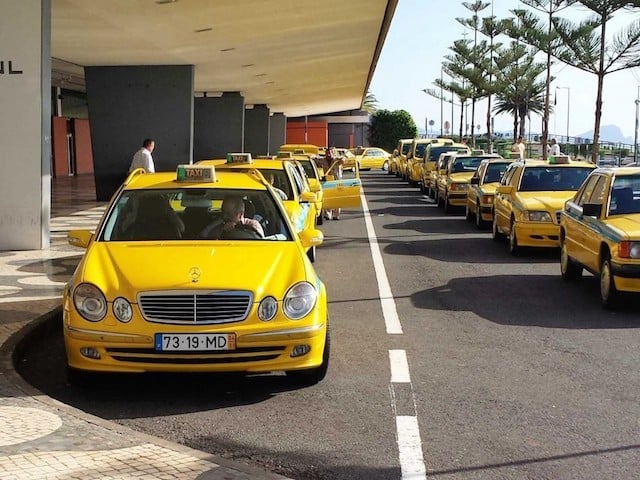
[{"x": 232, "y": 217}]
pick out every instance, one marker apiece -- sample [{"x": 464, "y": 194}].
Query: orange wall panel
[
  {"x": 82, "y": 145},
  {"x": 60, "y": 149},
  {"x": 317, "y": 133}
]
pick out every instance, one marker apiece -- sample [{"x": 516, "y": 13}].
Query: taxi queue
[
  {"x": 591, "y": 214},
  {"x": 207, "y": 269},
  {"x": 210, "y": 268}
]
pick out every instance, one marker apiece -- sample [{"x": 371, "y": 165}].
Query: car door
[
  {"x": 344, "y": 192},
  {"x": 504, "y": 197},
  {"x": 590, "y": 228}
]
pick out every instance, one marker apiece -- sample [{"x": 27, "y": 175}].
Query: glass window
[
  {"x": 584, "y": 196},
  {"x": 191, "y": 214},
  {"x": 554, "y": 179},
  {"x": 494, "y": 172},
  {"x": 465, "y": 164},
  {"x": 625, "y": 195},
  {"x": 279, "y": 179},
  {"x": 508, "y": 175}
]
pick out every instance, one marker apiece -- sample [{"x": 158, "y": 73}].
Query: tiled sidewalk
[{"x": 41, "y": 438}]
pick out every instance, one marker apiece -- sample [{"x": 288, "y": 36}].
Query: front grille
[
  {"x": 198, "y": 307},
  {"x": 240, "y": 355}
]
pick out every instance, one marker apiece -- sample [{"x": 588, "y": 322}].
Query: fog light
[
  {"x": 90, "y": 352},
  {"x": 300, "y": 350}
]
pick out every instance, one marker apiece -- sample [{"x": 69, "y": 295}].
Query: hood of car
[
  {"x": 461, "y": 177},
  {"x": 549, "y": 201},
  {"x": 627, "y": 226},
  {"x": 263, "y": 267},
  {"x": 489, "y": 188}
]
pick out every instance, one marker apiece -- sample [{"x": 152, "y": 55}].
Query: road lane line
[
  {"x": 410, "y": 448},
  {"x": 399, "y": 366},
  {"x": 389, "y": 312}
]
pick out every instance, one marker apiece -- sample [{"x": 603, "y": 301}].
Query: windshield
[
  {"x": 494, "y": 172},
  {"x": 435, "y": 152},
  {"x": 194, "y": 214},
  {"x": 543, "y": 179},
  {"x": 420, "y": 148},
  {"x": 465, "y": 164},
  {"x": 308, "y": 168},
  {"x": 405, "y": 148},
  {"x": 625, "y": 195}
]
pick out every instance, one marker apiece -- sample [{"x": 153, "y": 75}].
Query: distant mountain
[{"x": 609, "y": 133}]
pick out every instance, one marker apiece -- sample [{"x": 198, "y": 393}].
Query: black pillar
[
  {"x": 277, "y": 132},
  {"x": 130, "y": 103},
  {"x": 256, "y": 128},
  {"x": 218, "y": 126}
]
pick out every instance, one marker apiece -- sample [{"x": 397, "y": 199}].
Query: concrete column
[
  {"x": 25, "y": 124},
  {"x": 277, "y": 132},
  {"x": 130, "y": 103},
  {"x": 256, "y": 130},
  {"x": 218, "y": 126}
]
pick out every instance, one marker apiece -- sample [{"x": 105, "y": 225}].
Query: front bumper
[
  {"x": 538, "y": 234},
  {"x": 626, "y": 276}
]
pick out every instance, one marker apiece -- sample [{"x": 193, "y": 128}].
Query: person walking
[
  {"x": 333, "y": 168},
  {"x": 142, "y": 158}
]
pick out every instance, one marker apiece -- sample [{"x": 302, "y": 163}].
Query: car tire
[
  {"x": 320, "y": 218},
  {"x": 513, "y": 240},
  {"x": 311, "y": 253},
  {"x": 480, "y": 223},
  {"x": 446, "y": 206},
  {"x": 467, "y": 212},
  {"x": 609, "y": 294},
  {"x": 569, "y": 270},
  {"x": 495, "y": 233},
  {"x": 308, "y": 377}
]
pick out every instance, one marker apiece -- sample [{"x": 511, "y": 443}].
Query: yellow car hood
[
  {"x": 489, "y": 188},
  {"x": 628, "y": 226},
  {"x": 461, "y": 177},
  {"x": 263, "y": 267},
  {"x": 549, "y": 201}
]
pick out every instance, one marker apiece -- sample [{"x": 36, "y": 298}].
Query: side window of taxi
[
  {"x": 593, "y": 191},
  {"x": 508, "y": 175},
  {"x": 297, "y": 181}
]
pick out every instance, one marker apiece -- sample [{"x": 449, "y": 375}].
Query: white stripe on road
[
  {"x": 410, "y": 448},
  {"x": 389, "y": 311},
  {"x": 399, "y": 366}
]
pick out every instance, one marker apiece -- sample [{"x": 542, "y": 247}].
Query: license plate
[{"x": 198, "y": 342}]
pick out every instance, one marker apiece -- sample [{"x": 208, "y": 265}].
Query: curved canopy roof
[{"x": 299, "y": 57}]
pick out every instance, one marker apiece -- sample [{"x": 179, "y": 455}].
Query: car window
[
  {"x": 585, "y": 194},
  {"x": 509, "y": 175},
  {"x": 548, "y": 178},
  {"x": 406, "y": 147},
  {"x": 280, "y": 180},
  {"x": 298, "y": 184},
  {"x": 494, "y": 172},
  {"x": 189, "y": 214},
  {"x": 625, "y": 195},
  {"x": 465, "y": 164},
  {"x": 420, "y": 149}
]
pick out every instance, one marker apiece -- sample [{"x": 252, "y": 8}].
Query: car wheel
[
  {"x": 495, "y": 233},
  {"x": 311, "y": 253},
  {"x": 432, "y": 192},
  {"x": 480, "y": 223},
  {"x": 446, "y": 206},
  {"x": 385, "y": 166},
  {"x": 305, "y": 378},
  {"x": 513, "y": 239},
  {"x": 467, "y": 212},
  {"x": 569, "y": 270},
  {"x": 609, "y": 294}
]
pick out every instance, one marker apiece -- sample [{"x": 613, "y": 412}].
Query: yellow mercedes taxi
[
  {"x": 174, "y": 280},
  {"x": 454, "y": 180},
  {"x": 311, "y": 174},
  {"x": 399, "y": 156},
  {"x": 429, "y": 173},
  {"x": 600, "y": 232},
  {"x": 482, "y": 188},
  {"x": 369, "y": 158},
  {"x": 530, "y": 197},
  {"x": 284, "y": 175}
]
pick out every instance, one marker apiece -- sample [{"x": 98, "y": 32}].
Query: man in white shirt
[
  {"x": 554, "y": 148},
  {"x": 142, "y": 158},
  {"x": 518, "y": 148}
]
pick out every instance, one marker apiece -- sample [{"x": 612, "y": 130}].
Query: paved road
[{"x": 482, "y": 365}]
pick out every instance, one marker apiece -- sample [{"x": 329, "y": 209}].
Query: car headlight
[
  {"x": 122, "y": 309},
  {"x": 628, "y": 249},
  {"x": 536, "y": 216},
  {"x": 299, "y": 300},
  {"x": 458, "y": 186},
  {"x": 267, "y": 309},
  {"x": 486, "y": 199},
  {"x": 90, "y": 302}
]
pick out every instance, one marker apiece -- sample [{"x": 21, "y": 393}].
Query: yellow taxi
[
  {"x": 285, "y": 178},
  {"x": 530, "y": 197},
  {"x": 415, "y": 160},
  {"x": 348, "y": 158},
  {"x": 300, "y": 148},
  {"x": 312, "y": 174},
  {"x": 482, "y": 188},
  {"x": 160, "y": 290},
  {"x": 428, "y": 172},
  {"x": 600, "y": 232},
  {"x": 368, "y": 158},
  {"x": 453, "y": 181},
  {"x": 399, "y": 156}
]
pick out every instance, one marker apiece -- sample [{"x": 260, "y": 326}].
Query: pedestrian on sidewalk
[{"x": 142, "y": 158}]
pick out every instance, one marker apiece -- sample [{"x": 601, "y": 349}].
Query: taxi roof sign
[
  {"x": 195, "y": 173},
  {"x": 239, "y": 158},
  {"x": 559, "y": 159},
  {"x": 282, "y": 154}
]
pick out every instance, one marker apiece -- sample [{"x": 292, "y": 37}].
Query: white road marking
[
  {"x": 410, "y": 448},
  {"x": 389, "y": 311},
  {"x": 399, "y": 366}
]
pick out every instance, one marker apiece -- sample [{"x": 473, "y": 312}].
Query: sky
[{"x": 420, "y": 35}]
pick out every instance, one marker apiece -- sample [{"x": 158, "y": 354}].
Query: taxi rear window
[
  {"x": 189, "y": 214},
  {"x": 551, "y": 179}
]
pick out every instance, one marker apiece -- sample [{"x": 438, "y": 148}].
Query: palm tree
[
  {"x": 585, "y": 47},
  {"x": 370, "y": 103}
]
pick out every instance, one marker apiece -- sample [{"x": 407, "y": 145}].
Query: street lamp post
[
  {"x": 635, "y": 139},
  {"x": 568, "y": 106}
]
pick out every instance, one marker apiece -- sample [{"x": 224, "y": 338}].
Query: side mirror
[
  {"x": 475, "y": 181},
  {"x": 314, "y": 185},
  {"x": 79, "y": 238},
  {"x": 591, "y": 209},
  {"x": 311, "y": 238},
  {"x": 307, "y": 197}
]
